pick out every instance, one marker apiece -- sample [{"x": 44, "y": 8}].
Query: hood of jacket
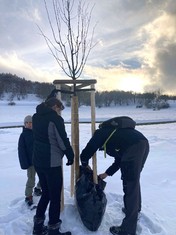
[{"x": 42, "y": 109}]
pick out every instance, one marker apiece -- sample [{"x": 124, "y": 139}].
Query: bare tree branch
[{"x": 70, "y": 44}]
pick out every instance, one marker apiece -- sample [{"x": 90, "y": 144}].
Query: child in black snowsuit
[{"x": 25, "y": 154}]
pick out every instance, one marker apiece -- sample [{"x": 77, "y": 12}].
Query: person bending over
[{"x": 130, "y": 149}]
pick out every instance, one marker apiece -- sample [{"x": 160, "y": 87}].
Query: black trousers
[
  {"x": 51, "y": 182},
  {"x": 131, "y": 167}
]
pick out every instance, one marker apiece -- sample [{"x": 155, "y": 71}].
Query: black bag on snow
[
  {"x": 119, "y": 122},
  {"x": 90, "y": 199}
]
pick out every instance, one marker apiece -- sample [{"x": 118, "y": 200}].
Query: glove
[
  {"x": 85, "y": 163},
  {"x": 69, "y": 162}
]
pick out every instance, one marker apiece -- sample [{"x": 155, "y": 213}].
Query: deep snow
[{"x": 158, "y": 179}]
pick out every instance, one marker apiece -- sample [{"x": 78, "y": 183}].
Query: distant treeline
[{"x": 20, "y": 87}]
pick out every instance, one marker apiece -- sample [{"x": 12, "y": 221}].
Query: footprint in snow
[{"x": 148, "y": 227}]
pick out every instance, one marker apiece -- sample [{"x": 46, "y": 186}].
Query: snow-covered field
[{"x": 158, "y": 180}]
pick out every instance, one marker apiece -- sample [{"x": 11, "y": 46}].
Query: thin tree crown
[{"x": 71, "y": 41}]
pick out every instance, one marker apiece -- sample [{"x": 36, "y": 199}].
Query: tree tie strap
[{"x": 105, "y": 143}]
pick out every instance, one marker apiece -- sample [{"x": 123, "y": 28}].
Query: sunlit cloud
[
  {"x": 13, "y": 64},
  {"x": 118, "y": 78},
  {"x": 159, "y": 52},
  {"x": 135, "y": 51}
]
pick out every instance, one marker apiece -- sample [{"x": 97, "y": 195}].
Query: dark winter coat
[
  {"x": 25, "y": 148},
  {"x": 120, "y": 141},
  {"x": 50, "y": 138}
]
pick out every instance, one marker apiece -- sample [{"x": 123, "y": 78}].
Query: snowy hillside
[{"x": 28, "y": 106}]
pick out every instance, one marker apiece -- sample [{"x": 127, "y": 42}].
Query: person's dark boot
[
  {"x": 39, "y": 228},
  {"x": 29, "y": 200},
  {"x": 37, "y": 191},
  {"x": 117, "y": 230},
  {"x": 54, "y": 229}
]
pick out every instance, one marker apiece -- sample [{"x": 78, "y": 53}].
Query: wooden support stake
[
  {"x": 62, "y": 192},
  {"x": 94, "y": 159},
  {"x": 72, "y": 176},
  {"x": 78, "y": 84}
]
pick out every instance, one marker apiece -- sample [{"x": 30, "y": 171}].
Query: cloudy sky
[{"x": 135, "y": 50}]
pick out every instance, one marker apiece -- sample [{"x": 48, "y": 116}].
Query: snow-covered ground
[{"x": 158, "y": 180}]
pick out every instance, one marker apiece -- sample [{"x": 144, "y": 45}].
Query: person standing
[
  {"x": 50, "y": 145},
  {"x": 25, "y": 153},
  {"x": 130, "y": 149}
]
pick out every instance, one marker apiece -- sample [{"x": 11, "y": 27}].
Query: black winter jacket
[
  {"x": 50, "y": 138},
  {"x": 25, "y": 148},
  {"x": 116, "y": 146}
]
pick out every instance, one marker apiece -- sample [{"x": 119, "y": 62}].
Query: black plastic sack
[{"x": 90, "y": 199}]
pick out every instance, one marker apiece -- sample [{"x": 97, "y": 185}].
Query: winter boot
[
  {"x": 54, "y": 230},
  {"x": 117, "y": 230},
  {"x": 39, "y": 228},
  {"x": 37, "y": 191},
  {"x": 29, "y": 200}
]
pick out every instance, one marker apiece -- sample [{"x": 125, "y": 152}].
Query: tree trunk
[{"x": 75, "y": 141}]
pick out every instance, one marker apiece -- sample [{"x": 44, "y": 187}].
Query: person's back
[
  {"x": 49, "y": 137},
  {"x": 122, "y": 139}
]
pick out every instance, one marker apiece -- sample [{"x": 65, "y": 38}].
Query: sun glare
[{"x": 131, "y": 83}]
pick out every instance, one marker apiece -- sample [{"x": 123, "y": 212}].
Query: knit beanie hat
[{"x": 28, "y": 119}]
